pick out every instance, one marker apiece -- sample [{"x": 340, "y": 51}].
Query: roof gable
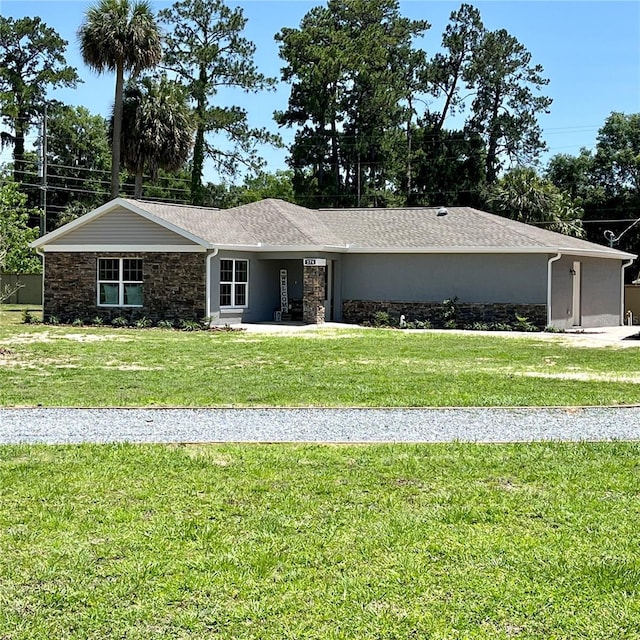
[{"x": 119, "y": 222}]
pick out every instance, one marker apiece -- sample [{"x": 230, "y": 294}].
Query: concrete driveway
[{"x": 600, "y": 336}]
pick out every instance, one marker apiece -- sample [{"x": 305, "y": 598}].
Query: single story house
[{"x": 274, "y": 260}]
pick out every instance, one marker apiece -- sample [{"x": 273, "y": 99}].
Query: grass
[
  {"x": 455, "y": 541},
  {"x": 102, "y": 366},
  {"x": 249, "y": 541}
]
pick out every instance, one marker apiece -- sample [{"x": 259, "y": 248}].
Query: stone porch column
[{"x": 313, "y": 294}]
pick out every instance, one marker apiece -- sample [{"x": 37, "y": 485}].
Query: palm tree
[
  {"x": 119, "y": 35},
  {"x": 157, "y": 128}
]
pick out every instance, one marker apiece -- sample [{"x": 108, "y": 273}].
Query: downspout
[
  {"x": 208, "y": 306},
  {"x": 624, "y": 266},
  {"x": 549, "y": 279},
  {"x": 41, "y": 254}
]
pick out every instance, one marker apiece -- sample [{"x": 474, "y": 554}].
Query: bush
[
  {"x": 551, "y": 329},
  {"x": 143, "y": 323},
  {"x": 450, "y": 313},
  {"x": 28, "y": 317},
  {"x": 522, "y": 324},
  {"x": 381, "y": 319},
  {"x": 189, "y": 325},
  {"x": 78, "y": 322},
  {"x": 53, "y": 320},
  {"x": 165, "y": 324},
  {"x": 97, "y": 321},
  {"x": 119, "y": 321}
]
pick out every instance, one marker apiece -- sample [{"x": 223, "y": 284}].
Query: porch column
[{"x": 313, "y": 291}]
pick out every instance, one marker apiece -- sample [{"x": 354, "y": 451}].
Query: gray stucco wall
[
  {"x": 264, "y": 284},
  {"x": 600, "y": 292},
  {"x": 478, "y": 278}
]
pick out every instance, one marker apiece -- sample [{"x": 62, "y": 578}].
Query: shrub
[
  {"x": 423, "y": 324},
  {"x": 28, "y": 317},
  {"x": 119, "y": 321},
  {"x": 97, "y": 321},
  {"x": 522, "y": 324},
  {"x": 551, "y": 329},
  {"x": 450, "y": 313},
  {"x": 381, "y": 319},
  {"x": 165, "y": 324},
  {"x": 143, "y": 323},
  {"x": 53, "y": 320},
  {"x": 78, "y": 322},
  {"x": 189, "y": 325}
]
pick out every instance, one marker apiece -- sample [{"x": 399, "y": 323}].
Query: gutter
[
  {"x": 207, "y": 304},
  {"x": 628, "y": 263},
  {"x": 549, "y": 273}
]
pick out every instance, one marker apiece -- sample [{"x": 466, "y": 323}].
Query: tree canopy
[
  {"x": 15, "y": 232},
  {"x": 157, "y": 131},
  {"x": 205, "y": 49},
  {"x": 119, "y": 36},
  {"x": 357, "y": 77},
  {"x": 32, "y": 62},
  {"x": 606, "y": 182},
  {"x": 381, "y": 116}
]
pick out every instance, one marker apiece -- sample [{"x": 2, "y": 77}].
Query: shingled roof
[{"x": 275, "y": 225}]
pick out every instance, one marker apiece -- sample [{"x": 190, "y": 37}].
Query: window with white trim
[
  {"x": 234, "y": 283},
  {"x": 119, "y": 282}
]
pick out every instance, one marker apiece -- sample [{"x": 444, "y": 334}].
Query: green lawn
[
  {"x": 270, "y": 542},
  {"x": 70, "y": 366}
]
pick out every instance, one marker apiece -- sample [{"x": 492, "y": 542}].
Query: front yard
[
  {"x": 103, "y": 366},
  {"x": 320, "y": 542},
  {"x": 264, "y": 542}
]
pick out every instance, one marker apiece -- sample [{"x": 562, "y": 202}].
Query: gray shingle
[{"x": 275, "y": 223}]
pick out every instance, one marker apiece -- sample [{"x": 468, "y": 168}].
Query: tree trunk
[
  {"x": 197, "y": 167},
  {"x": 117, "y": 132},
  {"x": 409, "y": 153},
  {"x": 18, "y": 148},
  {"x": 449, "y": 99},
  {"x": 137, "y": 192},
  {"x": 492, "y": 143}
]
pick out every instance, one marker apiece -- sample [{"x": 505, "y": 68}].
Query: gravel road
[{"x": 60, "y": 426}]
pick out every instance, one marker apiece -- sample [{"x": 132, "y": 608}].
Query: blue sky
[{"x": 590, "y": 51}]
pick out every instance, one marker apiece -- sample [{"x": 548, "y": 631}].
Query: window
[
  {"x": 234, "y": 283},
  {"x": 119, "y": 282}
]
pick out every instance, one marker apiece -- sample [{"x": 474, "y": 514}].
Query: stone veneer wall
[
  {"x": 313, "y": 295},
  {"x": 363, "y": 311},
  {"x": 174, "y": 286}
]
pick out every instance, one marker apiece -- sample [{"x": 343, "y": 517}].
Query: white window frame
[
  {"x": 120, "y": 282},
  {"x": 234, "y": 283}
]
